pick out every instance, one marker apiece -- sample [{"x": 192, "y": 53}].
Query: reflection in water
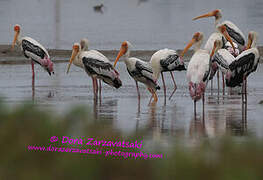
[
  {"x": 105, "y": 110},
  {"x": 197, "y": 128},
  {"x": 235, "y": 124}
]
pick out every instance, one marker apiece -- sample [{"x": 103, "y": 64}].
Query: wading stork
[
  {"x": 235, "y": 33},
  {"x": 96, "y": 65},
  {"x": 166, "y": 60},
  {"x": 199, "y": 67},
  {"x": 223, "y": 36},
  {"x": 139, "y": 70},
  {"x": 84, "y": 43},
  {"x": 32, "y": 50}
]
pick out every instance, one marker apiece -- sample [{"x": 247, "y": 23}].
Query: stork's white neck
[
  {"x": 254, "y": 43},
  {"x": 78, "y": 61},
  {"x": 198, "y": 45},
  {"x": 19, "y": 39},
  {"x": 217, "y": 21},
  {"x": 126, "y": 56}
]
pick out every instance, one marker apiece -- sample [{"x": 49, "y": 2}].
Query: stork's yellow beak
[
  {"x": 249, "y": 43},
  {"x": 226, "y": 35},
  {"x": 210, "y": 14},
  {"x": 75, "y": 51},
  {"x": 123, "y": 50},
  {"x": 188, "y": 46},
  {"x": 14, "y": 41}
]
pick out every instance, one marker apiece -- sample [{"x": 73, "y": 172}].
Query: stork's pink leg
[
  {"x": 138, "y": 92},
  {"x": 243, "y": 90},
  {"x": 164, "y": 88},
  {"x": 246, "y": 89},
  {"x": 223, "y": 81},
  {"x": 100, "y": 88},
  {"x": 203, "y": 99},
  {"x": 175, "y": 87},
  {"x": 95, "y": 86},
  {"x": 195, "y": 108},
  {"x": 218, "y": 82},
  {"x": 33, "y": 70}
]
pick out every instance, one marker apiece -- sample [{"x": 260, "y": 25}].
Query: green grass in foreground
[{"x": 28, "y": 125}]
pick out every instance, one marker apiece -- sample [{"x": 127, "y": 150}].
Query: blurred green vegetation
[{"x": 29, "y": 125}]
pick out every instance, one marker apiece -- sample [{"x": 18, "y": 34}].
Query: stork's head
[
  {"x": 222, "y": 30},
  {"x": 124, "y": 50},
  {"x": 17, "y": 32},
  {"x": 197, "y": 38},
  {"x": 75, "y": 50},
  {"x": 48, "y": 65},
  {"x": 252, "y": 39},
  {"x": 216, "y": 13},
  {"x": 84, "y": 44},
  {"x": 196, "y": 90}
]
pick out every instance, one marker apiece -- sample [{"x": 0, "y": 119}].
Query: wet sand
[{"x": 223, "y": 113}]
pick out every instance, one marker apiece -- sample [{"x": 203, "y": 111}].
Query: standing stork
[
  {"x": 231, "y": 28},
  {"x": 199, "y": 68},
  {"x": 84, "y": 44},
  {"x": 96, "y": 65},
  {"x": 223, "y": 36},
  {"x": 166, "y": 60},
  {"x": 34, "y": 51},
  {"x": 139, "y": 70}
]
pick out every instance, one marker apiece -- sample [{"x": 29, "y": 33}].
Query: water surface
[{"x": 223, "y": 114}]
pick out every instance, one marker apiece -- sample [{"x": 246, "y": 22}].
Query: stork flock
[{"x": 225, "y": 51}]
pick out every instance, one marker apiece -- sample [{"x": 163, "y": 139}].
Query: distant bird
[
  {"x": 199, "y": 67},
  {"x": 96, "y": 65},
  {"x": 33, "y": 50},
  {"x": 98, "y": 8},
  {"x": 238, "y": 68},
  {"x": 142, "y": 1},
  {"x": 166, "y": 60},
  {"x": 235, "y": 33},
  {"x": 139, "y": 70}
]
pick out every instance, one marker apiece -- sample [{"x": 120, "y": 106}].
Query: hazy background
[{"x": 147, "y": 24}]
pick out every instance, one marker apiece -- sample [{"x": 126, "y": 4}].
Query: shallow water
[
  {"x": 223, "y": 114},
  {"x": 151, "y": 24}
]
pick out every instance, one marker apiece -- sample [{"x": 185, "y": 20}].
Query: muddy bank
[{"x": 16, "y": 57}]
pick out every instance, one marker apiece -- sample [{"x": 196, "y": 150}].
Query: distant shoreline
[{"x": 58, "y": 55}]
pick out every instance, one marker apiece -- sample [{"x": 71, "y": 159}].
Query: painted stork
[
  {"x": 234, "y": 32},
  {"x": 238, "y": 68},
  {"x": 199, "y": 67},
  {"x": 96, "y": 65},
  {"x": 34, "y": 51},
  {"x": 139, "y": 70},
  {"x": 84, "y": 43},
  {"x": 166, "y": 60}
]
